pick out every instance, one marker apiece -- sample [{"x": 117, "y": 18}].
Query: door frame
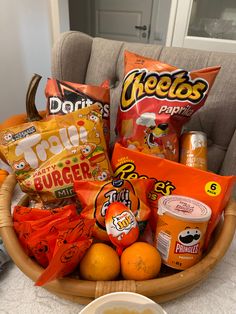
[{"x": 59, "y": 18}]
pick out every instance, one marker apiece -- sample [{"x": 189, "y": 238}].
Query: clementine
[
  {"x": 101, "y": 262},
  {"x": 3, "y": 175},
  {"x": 140, "y": 261}
]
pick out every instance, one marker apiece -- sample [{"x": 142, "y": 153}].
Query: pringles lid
[{"x": 184, "y": 208}]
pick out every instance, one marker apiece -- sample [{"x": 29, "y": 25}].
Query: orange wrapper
[
  {"x": 121, "y": 225},
  {"x": 173, "y": 178},
  {"x": 157, "y": 99},
  {"x": 64, "y": 261},
  {"x": 64, "y": 97},
  {"x": 38, "y": 235},
  {"x": 57, "y": 241},
  {"x": 96, "y": 196}
]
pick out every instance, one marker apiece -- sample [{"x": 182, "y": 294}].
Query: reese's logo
[{"x": 176, "y": 85}]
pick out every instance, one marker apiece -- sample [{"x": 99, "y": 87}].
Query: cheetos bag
[
  {"x": 157, "y": 99},
  {"x": 173, "y": 178}
]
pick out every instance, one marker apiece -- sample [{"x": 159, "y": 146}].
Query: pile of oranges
[{"x": 139, "y": 261}]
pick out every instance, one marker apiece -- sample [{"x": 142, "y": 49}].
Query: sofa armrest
[
  {"x": 229, "y": 163},
  {"x": 70, "y": 57}
]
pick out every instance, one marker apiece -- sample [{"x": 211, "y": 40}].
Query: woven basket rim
[{"x": 82, "y": 291}]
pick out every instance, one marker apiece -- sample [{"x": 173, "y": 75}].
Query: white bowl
[{"x": 125, "y": 300}]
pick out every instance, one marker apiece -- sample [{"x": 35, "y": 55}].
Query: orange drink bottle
[
  {"x": 180, "y": 232},
  {"x": 194, "y": 150}
]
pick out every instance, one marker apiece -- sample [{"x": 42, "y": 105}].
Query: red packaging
[
  {"x": 157, "y": 99},
  {"x": 56, "y": 240}
]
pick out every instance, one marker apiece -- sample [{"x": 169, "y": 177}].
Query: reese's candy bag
[
  {"x": 96, "y": 196},
  {"x": 174, "y": 178},
  {"x": 64, "y": 97},
  {"x": 121, "y": 226},
  {"x": 157, "y": 99},
  {"x": 47, "y": 156}
]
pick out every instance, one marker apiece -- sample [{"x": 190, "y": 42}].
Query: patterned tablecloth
[{"x": 217, "y": 294}]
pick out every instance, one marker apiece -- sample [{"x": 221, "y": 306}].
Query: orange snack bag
[
  {"x": 64, "y": 261},
  {"x": 173, "y": 178},
  {"x": 64, "y": 97},
  {"x": 57, "y": 240},
  {"x": 121, "y": 226},
  {"x": 96, "y": 196},
  {"x": 33, "y": 226},
  {"x": 47, "y": 156},
  {"x": 157, "y": 99}
]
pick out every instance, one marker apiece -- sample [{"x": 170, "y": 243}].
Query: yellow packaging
[
  {"x": 180, "y": 233},
  {"x": 48, "y": 156}
]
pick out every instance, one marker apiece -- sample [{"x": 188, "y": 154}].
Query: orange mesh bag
[
  {"x": 96, "y": 196},
  {"x": 47, "y": 156},
  {"x": 173, "y": 178},
  {"x": 64, "y": 97},
  {"x": 157, "y": 99}
]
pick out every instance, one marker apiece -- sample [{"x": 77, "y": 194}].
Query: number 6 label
[{"x": 213, "y": 188}]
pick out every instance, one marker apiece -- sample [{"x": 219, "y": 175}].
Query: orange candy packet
[
  {"x": 96, "y": 196},
  {"x": 174, "y": 178},
  {"x": 57, "y": 241}
]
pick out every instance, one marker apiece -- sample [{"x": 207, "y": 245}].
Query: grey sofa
[{"x": 80, "y": 58}]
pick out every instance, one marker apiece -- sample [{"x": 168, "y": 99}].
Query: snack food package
[
  {"x": 64, "y": 97},
  {"x": 174, "y": 178},
  {"x": 57, "y": 239},
  {"x": 48, "y": 156},
  {"x": 180, "y": 232},
  {"x": 96, "y": 196},
  {"x": 157, "y": 99},
  {"x": 34, "y": 227},
  {"x": 121, "y": 226}
]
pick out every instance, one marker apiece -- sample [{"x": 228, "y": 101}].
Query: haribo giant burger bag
[{"x": 157, "y": 99}]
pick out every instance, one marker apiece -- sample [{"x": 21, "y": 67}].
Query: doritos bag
[
  {"x": 173, "y": 178},
  {"x": 96, "y": 197},
  {"x": 157, "y": 99},
  {"x": 48, "y": 156},
  {"x": 64, "y": 97}
]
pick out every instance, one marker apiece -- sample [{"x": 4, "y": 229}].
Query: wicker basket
[{"x": 82, "y": 291}]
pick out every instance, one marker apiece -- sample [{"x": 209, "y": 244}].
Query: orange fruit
[
  {"x": 140, "y": 261},
  {"x": 3, "y": 175},
  {"x": 100, "y": 262}
]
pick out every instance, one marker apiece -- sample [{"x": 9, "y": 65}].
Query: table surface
[{"x": 216, "y": 294}]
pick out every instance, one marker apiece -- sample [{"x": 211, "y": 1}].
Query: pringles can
[
  {"x": 180, "y": 232},
  {"x": 194, "y": 149}
]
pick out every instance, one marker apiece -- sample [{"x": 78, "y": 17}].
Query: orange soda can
[
  {"x": 194, "y": 150},
  {"x": 180, "y": 232}
]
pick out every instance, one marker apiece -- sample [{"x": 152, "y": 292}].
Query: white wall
[{"x": 25, "y": 48}]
